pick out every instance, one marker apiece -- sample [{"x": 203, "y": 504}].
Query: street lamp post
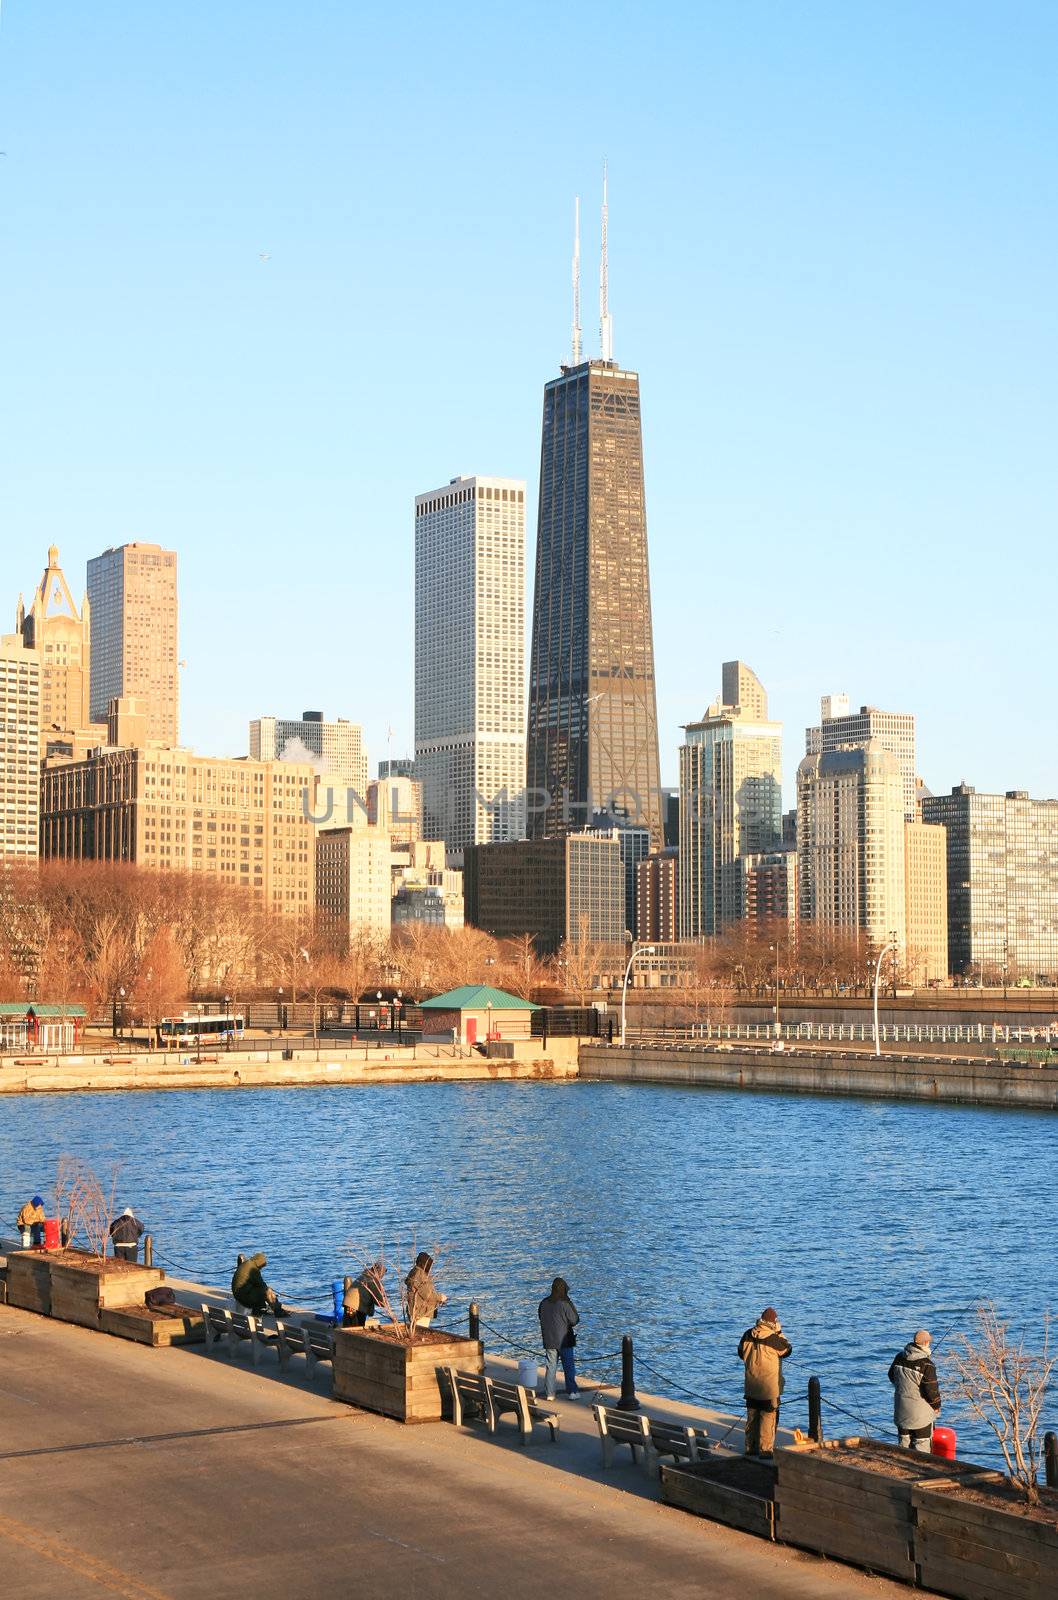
[
  {"x": 642, "y": 950},
  {"x": 890, "y": 945},
  {"x": 775, "y": 947},
  {"x": 488, "y": 1025}
]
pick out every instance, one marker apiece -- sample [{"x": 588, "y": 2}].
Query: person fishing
[
  {"x": 362, "y": 1296},
  {"x": 762, "y": 1349},
  {"x": 916, "y": 1394},
  {"x": 558, "y": 1318},
  {"x": 423, "y": 1297},
  {"x": 30, "y": 1223},
  {"x": 125, "y": 1233},
  {"x": 250, "y": 1290}
]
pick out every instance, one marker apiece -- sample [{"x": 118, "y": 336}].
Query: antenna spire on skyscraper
[
  {"x": 605, "y": 320},
  {"x": 576, "y": 281}
]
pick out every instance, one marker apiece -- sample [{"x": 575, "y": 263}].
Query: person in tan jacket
[{"x": 762, "y": 1349}]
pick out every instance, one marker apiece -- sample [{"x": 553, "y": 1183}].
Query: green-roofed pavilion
[{"x": 476, "y": 1012}]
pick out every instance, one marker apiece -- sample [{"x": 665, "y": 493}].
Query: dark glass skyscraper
[{"x": 593, "y": 725}]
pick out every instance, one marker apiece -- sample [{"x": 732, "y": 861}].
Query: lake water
[{"x": 675, "y": 1214}]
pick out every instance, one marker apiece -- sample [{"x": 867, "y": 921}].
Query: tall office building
[
  {"x": 133, "y": 610},
  {"x": 1002, "y": 882},
  {"x": 657, "y": 897},
  {"x": 566, "y": 888},
  {"x": 470, "y": 660},
  {"x": 730, "y": 802},
  {"x": 395, "y": 805},
  {"x": 20, "y": 677},
  {"x": 768, "y": 886},
  {"x": 336, "y": 749},
  {"x": 926, "y": 901},
  {"x": 850, "y": 841},
  {"x": 244, "y": 823},
  {"x": 353, "y": 879},
  {"x": 892, "y": 730},
  {"x": 593, "y": 726},
  {"x": 61, "y": 636}
]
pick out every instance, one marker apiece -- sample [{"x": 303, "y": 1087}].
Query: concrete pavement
[{"x": 173, "y": 1475}]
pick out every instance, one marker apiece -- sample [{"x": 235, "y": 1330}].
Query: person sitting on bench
[{"x": 250, "y": 1290}]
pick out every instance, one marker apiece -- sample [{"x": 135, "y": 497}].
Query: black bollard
[
  {"x": 148, "y": 1250},
  {"x": 815, "y": 1411},
  {"x": 1050, "y": 1459},
  {"x": 474, "y": 1320},
  {"x": 628, "y": 1400}
]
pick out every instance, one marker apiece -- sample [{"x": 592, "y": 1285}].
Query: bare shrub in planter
[
  {"x": 85, "y": 1207},
  {"x": 1005, "y": 1385}
]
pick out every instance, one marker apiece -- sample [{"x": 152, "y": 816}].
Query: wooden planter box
[
  {"x": 731, "y": 1489},
  {"x": 374, "y": 1370},
  {"x": 82, "y": 1286},
  {"x": 974, "y": 1540},
  {"x": 158, "y": 1328},
  {"x": 852, "y": 1500},
  {"x": 29, "y": 1281}
]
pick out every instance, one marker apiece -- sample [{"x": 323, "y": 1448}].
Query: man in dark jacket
[
  {"x": 762, "y": 1349},
  {"x": 125, "y": 1232},
  {"x": 916, "y": 1397}
]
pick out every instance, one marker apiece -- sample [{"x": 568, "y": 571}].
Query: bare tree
[
  {"x": 84, "y": 1204},
  {"x": 1005, "y": 1385},
  {"x": 160, "y": 985}
]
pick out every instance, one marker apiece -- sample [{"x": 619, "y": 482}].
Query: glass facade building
[
  {"x": 592, "y": 735},
  {"x": 1002, "y": 882}
]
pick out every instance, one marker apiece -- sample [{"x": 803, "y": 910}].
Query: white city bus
[{"x": 193, "y": 1029}]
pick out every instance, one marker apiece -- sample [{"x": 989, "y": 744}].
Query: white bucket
[{"x": 528, "y": 1372}]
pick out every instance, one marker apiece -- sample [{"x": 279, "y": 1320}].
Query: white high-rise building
[
  {"x": 893, "y": 730},
  {"x": 850, "y": 841},
  {"x": 19, "y": 749},
  {"x": 470, "y": 660},
  {"x": 353, "y": 878},
  {"x": 730, "y": 801}
]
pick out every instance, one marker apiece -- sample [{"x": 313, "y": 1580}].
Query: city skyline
[{"x": 860, "y": 398}]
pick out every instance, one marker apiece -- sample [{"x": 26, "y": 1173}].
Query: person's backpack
[{"x": 159, "y": 1297}]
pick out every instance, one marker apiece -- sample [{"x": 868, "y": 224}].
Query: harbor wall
[{"x": 888, "y": 1077}]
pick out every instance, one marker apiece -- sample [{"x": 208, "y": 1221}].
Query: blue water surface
[{"x": 675, "y": 1214}]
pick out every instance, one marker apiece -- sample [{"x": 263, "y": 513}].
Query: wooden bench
[
  {"x": 234, "y": 1328},
  {"x": 477, "y": 1397},
  {"x": 470, "y": 1398},
  {"x": 294, "y": 1339},
  {"x": 514, "y": 1398},
  {"x": 650, "y": 1436}
]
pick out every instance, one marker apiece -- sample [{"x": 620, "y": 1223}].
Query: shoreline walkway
[{"x": 177, "y": 1475}]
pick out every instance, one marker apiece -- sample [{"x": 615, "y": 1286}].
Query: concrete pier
[
  {"x": 176, "y": 1475},
  {"x": 804, "y": 1071}
]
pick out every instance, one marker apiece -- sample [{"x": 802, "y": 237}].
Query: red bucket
[
  {"x": 944, "y": 1443},
  {"x": 51, "y": 1233}
]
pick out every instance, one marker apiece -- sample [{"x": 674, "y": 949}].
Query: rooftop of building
[{"x": 478, "y": 997}]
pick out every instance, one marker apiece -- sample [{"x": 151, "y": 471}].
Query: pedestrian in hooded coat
[
  {"x": 423, "y": 1296},
  {"x": 558, "y": 1318},
  {"x": 916, "y": 1394},
  {"x": 763, "y": 1349}
]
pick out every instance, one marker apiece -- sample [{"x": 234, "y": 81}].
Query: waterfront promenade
[{"x": 173, "y": 1475}]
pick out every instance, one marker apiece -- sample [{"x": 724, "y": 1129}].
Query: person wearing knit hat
[
  {"x": 762, "y": 1350},
  {"x": 125, "y": 1231},
  {"x": 916, "y": 1394}
]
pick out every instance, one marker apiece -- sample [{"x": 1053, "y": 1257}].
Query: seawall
[
  {"x": 274, "y": 1069},
  {"x": 892, "y": 1077}
]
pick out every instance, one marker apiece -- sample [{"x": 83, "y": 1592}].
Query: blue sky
[{"x": 833, "y": 254}]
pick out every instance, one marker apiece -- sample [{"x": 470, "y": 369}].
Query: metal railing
[{"x": 1043, "y": 1039}]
